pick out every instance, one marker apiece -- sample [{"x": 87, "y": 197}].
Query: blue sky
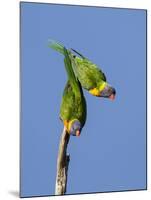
[{"x": 110, "y": 154}]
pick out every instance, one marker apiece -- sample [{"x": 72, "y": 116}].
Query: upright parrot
[
  {"x": 73, "y": 109},
  {"x": 89, "y": 75}
]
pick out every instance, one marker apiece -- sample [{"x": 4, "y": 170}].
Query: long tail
[
  {"x": 69, "y": 63},
  {"x": 71, "y": 76},
  {"x": 68, "y": 66},
  {"x": 56, "y": 46}
]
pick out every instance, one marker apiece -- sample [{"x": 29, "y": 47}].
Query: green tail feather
[
  {"x": 71, "y": 76},
  {"x": 56, "y": 46},
  {"x": 68, "y": 66},
  {"x": 69, "y": 63}
]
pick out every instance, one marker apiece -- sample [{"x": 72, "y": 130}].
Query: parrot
[
  {"x": 89, "y": 74},
  {"x": 73, "y": 108}
]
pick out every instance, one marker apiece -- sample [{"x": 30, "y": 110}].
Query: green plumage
[
  {"x": 73, "y": 105},
  {"x": 89, "y": 75}
]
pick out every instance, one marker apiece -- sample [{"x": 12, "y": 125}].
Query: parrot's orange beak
[
  {"x": 77, "y": 133},
  {"x": 112, "y": 96}
]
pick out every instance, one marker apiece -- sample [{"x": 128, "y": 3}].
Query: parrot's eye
[{"x": 113, "y": 91}]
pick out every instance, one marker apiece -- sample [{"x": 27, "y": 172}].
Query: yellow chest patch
[
  {"x": 94, "y": 92},
  {"x": 68, "y": 124}
]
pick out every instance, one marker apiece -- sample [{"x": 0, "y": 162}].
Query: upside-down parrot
[
  {"x": 90, "y": 76},
  {"x": 73, "y": 109}
]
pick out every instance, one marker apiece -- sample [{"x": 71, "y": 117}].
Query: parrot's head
[
  {"x": 74, "y": 127},
  {"x": 107, "y": 91}
]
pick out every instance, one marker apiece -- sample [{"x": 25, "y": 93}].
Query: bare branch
[{"x": 62, "y": 164}]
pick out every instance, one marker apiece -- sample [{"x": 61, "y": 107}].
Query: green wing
[
  {"x": 68, "y": 100},
  {"x": 72, "y": 106},
  {"x": 85, "y": 62},
  {"x": 89, "y": 75}
]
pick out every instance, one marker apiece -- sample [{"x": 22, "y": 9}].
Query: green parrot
[
  {"x": 89, "y": 75},
  {"x": 73, "y": 109}
]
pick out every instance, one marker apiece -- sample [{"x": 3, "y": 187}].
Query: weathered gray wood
[{"x": 62, "y": 164}]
